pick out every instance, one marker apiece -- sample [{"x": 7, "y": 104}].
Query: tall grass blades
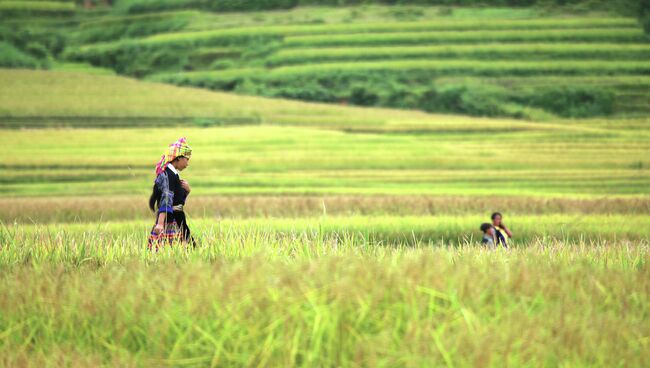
[{"x": 335, "y": 303}]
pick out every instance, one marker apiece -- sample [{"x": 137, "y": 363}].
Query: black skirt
[{"x": 181, "y": 222}]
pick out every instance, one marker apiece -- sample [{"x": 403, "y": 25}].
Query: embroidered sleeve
[{"x": 167, "y": 196}]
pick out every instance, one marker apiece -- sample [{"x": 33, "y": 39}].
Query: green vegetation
[
  {"x": 393, "y": 63},
  {"x": 29, "y": 48},
  {"x": 524, "y": 51},
  {"x": 584, "y": 35},
  {"x": 401, "y": 231},
  {"x": 26, "y": 8},
  {"x": 643, "y": 13},
  {"x": 144, "y": 6},
  {"x": 327, "y": 234},
  {"x": 629, "y": 7},
  {"x": 131, "y": 26},
  {"x": 11, "y": 57},
  {"x": 368, "y": 55},
  {"x": 471, "y": 67},
  {"x": 258, "y": 298}
]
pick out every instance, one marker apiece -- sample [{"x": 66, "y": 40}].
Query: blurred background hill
[{"x": 530, "y": 59}]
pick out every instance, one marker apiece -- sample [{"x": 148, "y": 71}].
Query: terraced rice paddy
[
  {"x": 370, "y": 57},
  {"x": 535, "y": 51},
  {"x": 410, "y": 53}
]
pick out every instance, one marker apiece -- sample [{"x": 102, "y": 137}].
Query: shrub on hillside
[
  {"x": 50, "y": 41},
  {"x": 29, "y": 48},
  {"x": 406, "y": 13},
  {"x": 149, "y": 6},
  {"x": 472, "y": 99},
  {"x": 128, "y": 59},
  {"x": 222, "y": 64},
  {"x": 483, "y": 101},
  {"x": 12, "y": 57},
  {"x": 645, "y": 22},
  {"x": 132, "y": 26},
  {"x": 492, "y": 100},
  {"x": 435, "y": 100},
  {"x": 363, "y": 96},
  {"x": 643, "y": 13},
  {"x": 37, "y": 50},
  {"x": 423, "y": 2},
  {"x": 134, "y": 60},
  {"x": 402, "y": 96},
  {"x": 250, "y": 5},
  {"x": 146, "y": 6},
  {"x": 575, "y": 101},
  {"x": 306, "y": 91}
]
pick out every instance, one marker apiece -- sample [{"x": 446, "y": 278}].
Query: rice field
[
  {"x": 583, "y": 35},
  {"x": 296, "y": 148},
  {"x": 109, "y": 101},
  {"x": 388, "y": 230},
  {"x": 534, "y": 28},
  {"x": 327, "y": 235},
  {"x": 277, "y": 160},
  {"x": 91, "y": 298}
]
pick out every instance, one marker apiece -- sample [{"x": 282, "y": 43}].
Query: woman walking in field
[{"x": 168, "y": 197}]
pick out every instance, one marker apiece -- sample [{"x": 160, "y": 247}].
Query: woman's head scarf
[{"x": 180, "y": 148}]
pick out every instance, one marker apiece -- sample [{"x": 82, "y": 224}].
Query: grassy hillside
[
  {"x": 75, "y": 99},
  {"x": 250, "y": 145},
  {"x": 460, "y": 60}
]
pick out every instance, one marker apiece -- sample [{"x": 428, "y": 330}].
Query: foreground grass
[
  {"x": 119, "y": 242},
  {"x": 543, "y": 305}
]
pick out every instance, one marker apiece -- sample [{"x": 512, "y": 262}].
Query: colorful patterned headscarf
[{"x": 180, "y": 148}]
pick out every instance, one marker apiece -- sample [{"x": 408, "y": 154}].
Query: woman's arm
[
  {"x": 506, "y": 230},
  {"x": 186, "y": 186},
  {"x": 160, "y": 223}
]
